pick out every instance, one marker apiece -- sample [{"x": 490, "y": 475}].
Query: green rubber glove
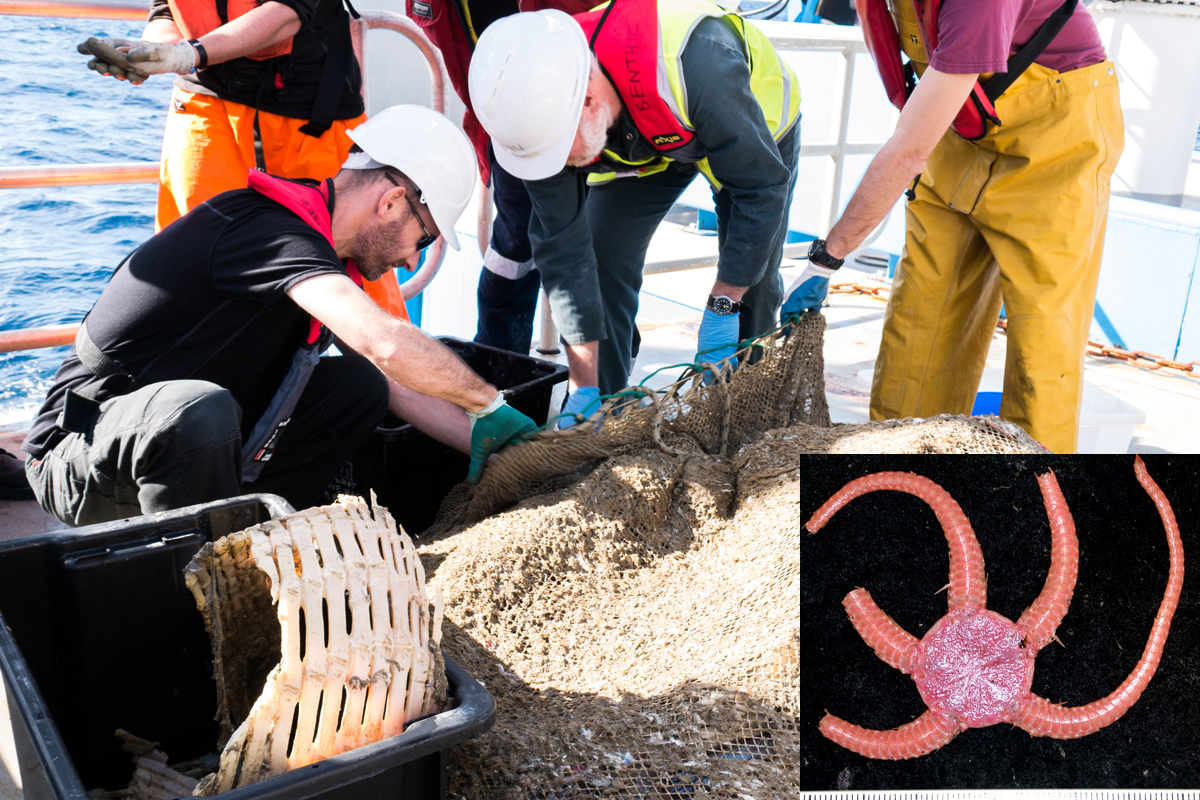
[{"x": 493, "y": 429}]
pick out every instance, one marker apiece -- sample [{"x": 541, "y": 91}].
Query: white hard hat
[
  {"x": 431, "y": 151},
  {"x": 528, "y": 80}
]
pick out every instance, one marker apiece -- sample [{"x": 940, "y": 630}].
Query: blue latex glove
[
  {"x": 808, "y": 292},
  {"x": 584, "y": 401},
  {"x": 719, "y": 331},
  {"x": 493, "y": 429}
]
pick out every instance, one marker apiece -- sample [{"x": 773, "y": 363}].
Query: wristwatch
[
  {"x": 723, "y": 306},
  {"x": 201, "y": 55},
  {"x": 817, "y": 255}
]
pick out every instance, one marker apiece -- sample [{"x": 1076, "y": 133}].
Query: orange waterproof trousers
[{"x": 208, "y": 148}]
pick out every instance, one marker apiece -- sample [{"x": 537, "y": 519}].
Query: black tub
[{"x": 99, "y": 632}]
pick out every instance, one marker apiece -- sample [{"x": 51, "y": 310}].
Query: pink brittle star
[{"x": 974, "y": 667}]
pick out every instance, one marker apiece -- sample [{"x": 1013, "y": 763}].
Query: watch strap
[
  {"x": 201, "y": 53},
  {"x": 819, "y": 256},
  {"x": 734, "y": 307}
]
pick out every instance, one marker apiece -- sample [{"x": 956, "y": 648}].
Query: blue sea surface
[{"x": 58, "y": 246}]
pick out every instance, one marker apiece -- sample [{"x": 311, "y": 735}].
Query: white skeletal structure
[{"x": 344, "y": 679}]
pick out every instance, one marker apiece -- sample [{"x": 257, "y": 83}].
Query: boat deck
[{"x": 669, "y": 317}]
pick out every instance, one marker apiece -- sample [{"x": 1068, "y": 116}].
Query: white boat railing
[
  {"x": 148, "y": 172},
  {"x": 847, "y": 41}
]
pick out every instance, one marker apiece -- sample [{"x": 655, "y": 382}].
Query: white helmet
[
  {"x": 528, "y": 80},
  {"x": 429, "y": 149}
]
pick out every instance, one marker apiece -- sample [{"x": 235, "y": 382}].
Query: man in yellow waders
[
  {"x": 273, "y": 85},
  {"x": 1010, "y": 205}
]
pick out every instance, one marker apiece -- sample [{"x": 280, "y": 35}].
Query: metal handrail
[
  {"x": 783, "y": 36},
  {"x": 148, "y": 172},
  {"x": 77, "y": 175},
  {"x": 34, "y": 338}
]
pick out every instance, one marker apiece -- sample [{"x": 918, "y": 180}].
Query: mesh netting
[
  {"x": 636, "y": 613},
  {"x": 628, "y": 590},
  {"x": 324, "y": 638},
  {"x": 784, "y": 387}
]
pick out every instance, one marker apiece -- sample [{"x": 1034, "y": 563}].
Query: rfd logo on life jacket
[{"x": 624, "y": 36}]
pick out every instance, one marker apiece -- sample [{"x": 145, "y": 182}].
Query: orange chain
[{"x": 1137, "y": 358}]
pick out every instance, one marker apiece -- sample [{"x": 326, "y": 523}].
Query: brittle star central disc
[{"x": 971, "y": 666}]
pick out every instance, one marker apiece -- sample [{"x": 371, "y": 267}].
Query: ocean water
[{"x": 58, "y": 246}]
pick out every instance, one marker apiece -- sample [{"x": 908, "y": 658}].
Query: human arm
[
  {"x": 561, "y": 240},
  {"x": 754, "y": 170},
  {"x": 923, "y": 122},
  {"x": 417, "y": 364},
  {"x": 438, "y": 419},
  {"x": 402, "y": 351},
  {"x": 742, "y": 154},
  {"x": 162, "y": 48}
]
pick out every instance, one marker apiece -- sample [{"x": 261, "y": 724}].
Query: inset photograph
[{"x": 1006, "y": 622}]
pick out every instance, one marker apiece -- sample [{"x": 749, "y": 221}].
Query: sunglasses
[{"x": 428, "y": 238}]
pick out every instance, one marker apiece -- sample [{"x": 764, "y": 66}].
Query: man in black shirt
[{"x": 177, "y": 391}]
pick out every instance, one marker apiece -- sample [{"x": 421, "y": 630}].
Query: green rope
[{"x": 690, "y": 368}]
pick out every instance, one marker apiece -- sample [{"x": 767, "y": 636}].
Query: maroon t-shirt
[{"x": 981, "y": 35}]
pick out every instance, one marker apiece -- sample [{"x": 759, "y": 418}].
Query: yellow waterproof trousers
[
  {"x": 1017, "y": 217},
  {"x": 208, "y": 148}
]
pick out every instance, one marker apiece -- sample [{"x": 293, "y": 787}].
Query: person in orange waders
[
  {"x": 1011, "y": 133},
  {"x": 273, "y": 85}
]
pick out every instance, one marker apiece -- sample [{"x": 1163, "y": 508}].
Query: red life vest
[
  {"x": 624, "y": 37},
  {"x": 899, "y": 78},
  {"x": 311, "y": 204},
  {"x": 195, "y": 18}
]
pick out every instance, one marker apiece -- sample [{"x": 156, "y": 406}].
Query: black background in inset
[{"x": 891, "y": 544}]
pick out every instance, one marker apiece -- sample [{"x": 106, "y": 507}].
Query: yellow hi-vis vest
[{"x": 634, "y": 23}]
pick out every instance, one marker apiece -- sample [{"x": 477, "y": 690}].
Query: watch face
[{"x": 722, "y": 305}]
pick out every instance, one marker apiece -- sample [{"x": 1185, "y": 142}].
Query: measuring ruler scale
[{"x": 1008, "y": 794}]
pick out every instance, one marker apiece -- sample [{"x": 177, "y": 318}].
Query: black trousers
[
  {"x": 506, "y": 306},
  {"x": 179, "y": 443}
]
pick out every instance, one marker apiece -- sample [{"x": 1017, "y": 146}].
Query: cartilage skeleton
[{"x": 359, "y": 644}]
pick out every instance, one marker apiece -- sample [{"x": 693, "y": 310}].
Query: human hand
[
  {"x": 717, "y": 340},
  {"x": 492, "y": 429},
  {"x": 156, "y": 58},
  {"x": 109, "y": 58},
  {"x": 808, "y": 292},
  {"x": 582, "y": 402}
]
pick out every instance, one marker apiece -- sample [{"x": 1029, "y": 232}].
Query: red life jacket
[
  {"x": 899, "y": 78},
  {"x": 311, "y": 204},
  {"x": 195, "y": 18},
  {"x": 624, "y": 37}
]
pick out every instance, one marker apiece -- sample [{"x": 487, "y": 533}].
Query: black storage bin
[
  {"x": 412, "y": 473},
  {"x": 99, "y": 632}
]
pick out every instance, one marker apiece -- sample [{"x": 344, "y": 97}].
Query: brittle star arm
[
  {"x": 891, "y": 643},
  {"x": 1041, "y": 619},
  {"x": 968, "y": 583},
  {"x": 923, "y": 735},
  {"x": 1042, "y": 718}
]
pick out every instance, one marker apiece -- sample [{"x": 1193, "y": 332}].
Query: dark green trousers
[{"x": 623, "y": 215}]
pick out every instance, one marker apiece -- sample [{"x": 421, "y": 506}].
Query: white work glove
[{"x": 135, "y": 59}]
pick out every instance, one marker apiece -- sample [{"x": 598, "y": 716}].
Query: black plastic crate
[
  {"x": 99, "y": 632},
  {"x": 412, "y": 473}
]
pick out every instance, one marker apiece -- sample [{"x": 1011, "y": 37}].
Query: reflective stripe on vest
[
  {"x": 640, "y": 46},
  {"x": 195, "y": 18}
]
